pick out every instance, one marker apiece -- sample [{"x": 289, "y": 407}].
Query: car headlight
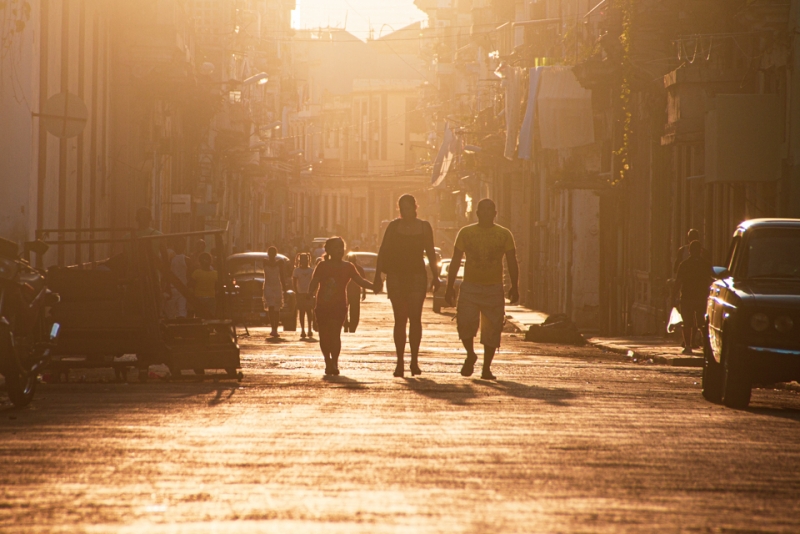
[
  {"x": 759, "y": 322},
  {"x": 784, "y": 324}
]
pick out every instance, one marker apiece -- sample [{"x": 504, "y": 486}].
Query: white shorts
[
  {"x": 273, "y": 297},
  {"x": 484, "y": 307}
]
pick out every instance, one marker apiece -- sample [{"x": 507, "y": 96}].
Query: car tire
[
  {"x": 712, "y": 372},
  {"x": 736, "y": 384},
  {"x": 21, "y": 389}
]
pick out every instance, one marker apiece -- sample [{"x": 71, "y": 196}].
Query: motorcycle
[{"x": 26, "y": 335}]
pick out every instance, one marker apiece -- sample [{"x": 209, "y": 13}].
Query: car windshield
[
  {"x": 368, "y": 261},
  {"x": 245, "y": 266},
  {"x": 774, "y": 253},
  {"x": 446, "y": 269}
]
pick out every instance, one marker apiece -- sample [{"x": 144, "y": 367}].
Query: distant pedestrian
[
  {"x": 330, "y": 281},
  {"x": 405, "y": 243},
  {"x": 683, "y": 252},
  {"x": 273, "y": 288},
  {"x": 178, "y": 267},
  {"x": 355, "y": 294},
  {"x": 693, "y": 281},
  {"x": 318, "y": 252},
  {"x": 205, "y": 280},
  {"x": 481, "y": 302},
  {"x": 301, "y": 280}
]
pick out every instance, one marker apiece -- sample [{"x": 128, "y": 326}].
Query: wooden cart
[{"x": 113, "y": 309}]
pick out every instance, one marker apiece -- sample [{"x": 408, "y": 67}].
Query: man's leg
[
  {"x": 689, "y": 325},
  {"x": 468, "y": 321},
  {"x": 488, "y": 356},
  {"x": 492, "y": 318}
]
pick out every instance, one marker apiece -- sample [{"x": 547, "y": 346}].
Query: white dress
[{"x": 273, "y": 290}]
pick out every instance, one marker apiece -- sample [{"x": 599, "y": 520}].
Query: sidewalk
[
  {"x": 648, "y": 348},
  {"x": 653, "y": 349}
]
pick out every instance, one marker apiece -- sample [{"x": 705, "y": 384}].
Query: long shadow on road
[
  {"x": 552, "y": 396},
  {"x": 452, "y": 393},
  {"x": 344, "y": 382}
]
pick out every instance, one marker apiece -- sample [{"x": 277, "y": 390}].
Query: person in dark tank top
[{"x": 401, "y": 256}]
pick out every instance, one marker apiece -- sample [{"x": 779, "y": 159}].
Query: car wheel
[
  {"x": 712, "y": 372},
  {"x": 736, "y": 385},
  {"x": 21, "y": 389}
]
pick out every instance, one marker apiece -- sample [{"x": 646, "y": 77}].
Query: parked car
[
  {"x": 753, "y": 312},
  {"x": 245, "y": 282},
  {"x": 438, "y": 297},
  {"x": 367, "y": 260}
]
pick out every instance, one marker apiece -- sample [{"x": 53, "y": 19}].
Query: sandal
[{"x": 469, "y": 366}]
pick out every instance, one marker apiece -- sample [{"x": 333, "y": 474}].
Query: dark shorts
[{"x": 406, "y": 285}]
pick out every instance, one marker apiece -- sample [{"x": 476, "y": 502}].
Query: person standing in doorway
[
  {"x": 273, "y": 288},
  {"x": 330, "y": 281},
  {"x": 301, "y": 281},
  {"x": 355, "y": 294},
  {"x": 693, "y": 281},
  {"x": 481, "y": 302},
  {"x": 405, "y": 242}
]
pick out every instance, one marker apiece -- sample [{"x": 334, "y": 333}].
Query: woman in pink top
[{"x": 332, "y": 277}]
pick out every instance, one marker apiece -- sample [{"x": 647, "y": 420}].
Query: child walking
[
  {"x": 301, "y": 278},
  {"x": 331, "y": 277}
]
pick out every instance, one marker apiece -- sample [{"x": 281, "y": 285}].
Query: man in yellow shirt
[{"x": 481, "y": 301}]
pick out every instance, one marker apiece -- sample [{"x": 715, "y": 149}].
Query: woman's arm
[
  {"x": 360, "y": 280},
  {"x": 430, "y": 251}
]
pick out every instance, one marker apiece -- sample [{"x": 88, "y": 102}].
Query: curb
[
  {"x": 516, "y": 324},
  {"x": 660, "y": 359}
]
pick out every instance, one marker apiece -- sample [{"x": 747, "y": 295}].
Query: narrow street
[{"x": 567, "y": 439}]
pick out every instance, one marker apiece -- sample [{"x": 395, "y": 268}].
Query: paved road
[{"x": 566, "y": 440}]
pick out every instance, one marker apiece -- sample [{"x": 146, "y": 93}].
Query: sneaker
[
  {"x": 302, "y": 335},
  {"x": 687, "y": 351}
]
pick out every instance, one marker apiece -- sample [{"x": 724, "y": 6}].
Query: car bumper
[{"x": 769, "y": 364}]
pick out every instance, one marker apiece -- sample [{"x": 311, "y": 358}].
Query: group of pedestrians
[{"x": 408, "y": 239}]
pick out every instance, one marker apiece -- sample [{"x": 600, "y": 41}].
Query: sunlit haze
[{"x": 358, "y": 16}]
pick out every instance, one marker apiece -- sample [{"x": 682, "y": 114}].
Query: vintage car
[
  {"x": 245, "y": 283},
  {"x": 753, "y": 312},
  {"x": 438, "y": 296}
]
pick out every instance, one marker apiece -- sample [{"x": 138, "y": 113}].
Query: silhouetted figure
[
  {"x": 273, "y": 288},
  {"x": 205, "y": 280},
  {"x": 301, "y": 280},
  {"x": 401, "y": 258},
  {"x": 331, "y": 278},
  {"x": 480, "y": 300},
  {"x": 693, "y": 280}
]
